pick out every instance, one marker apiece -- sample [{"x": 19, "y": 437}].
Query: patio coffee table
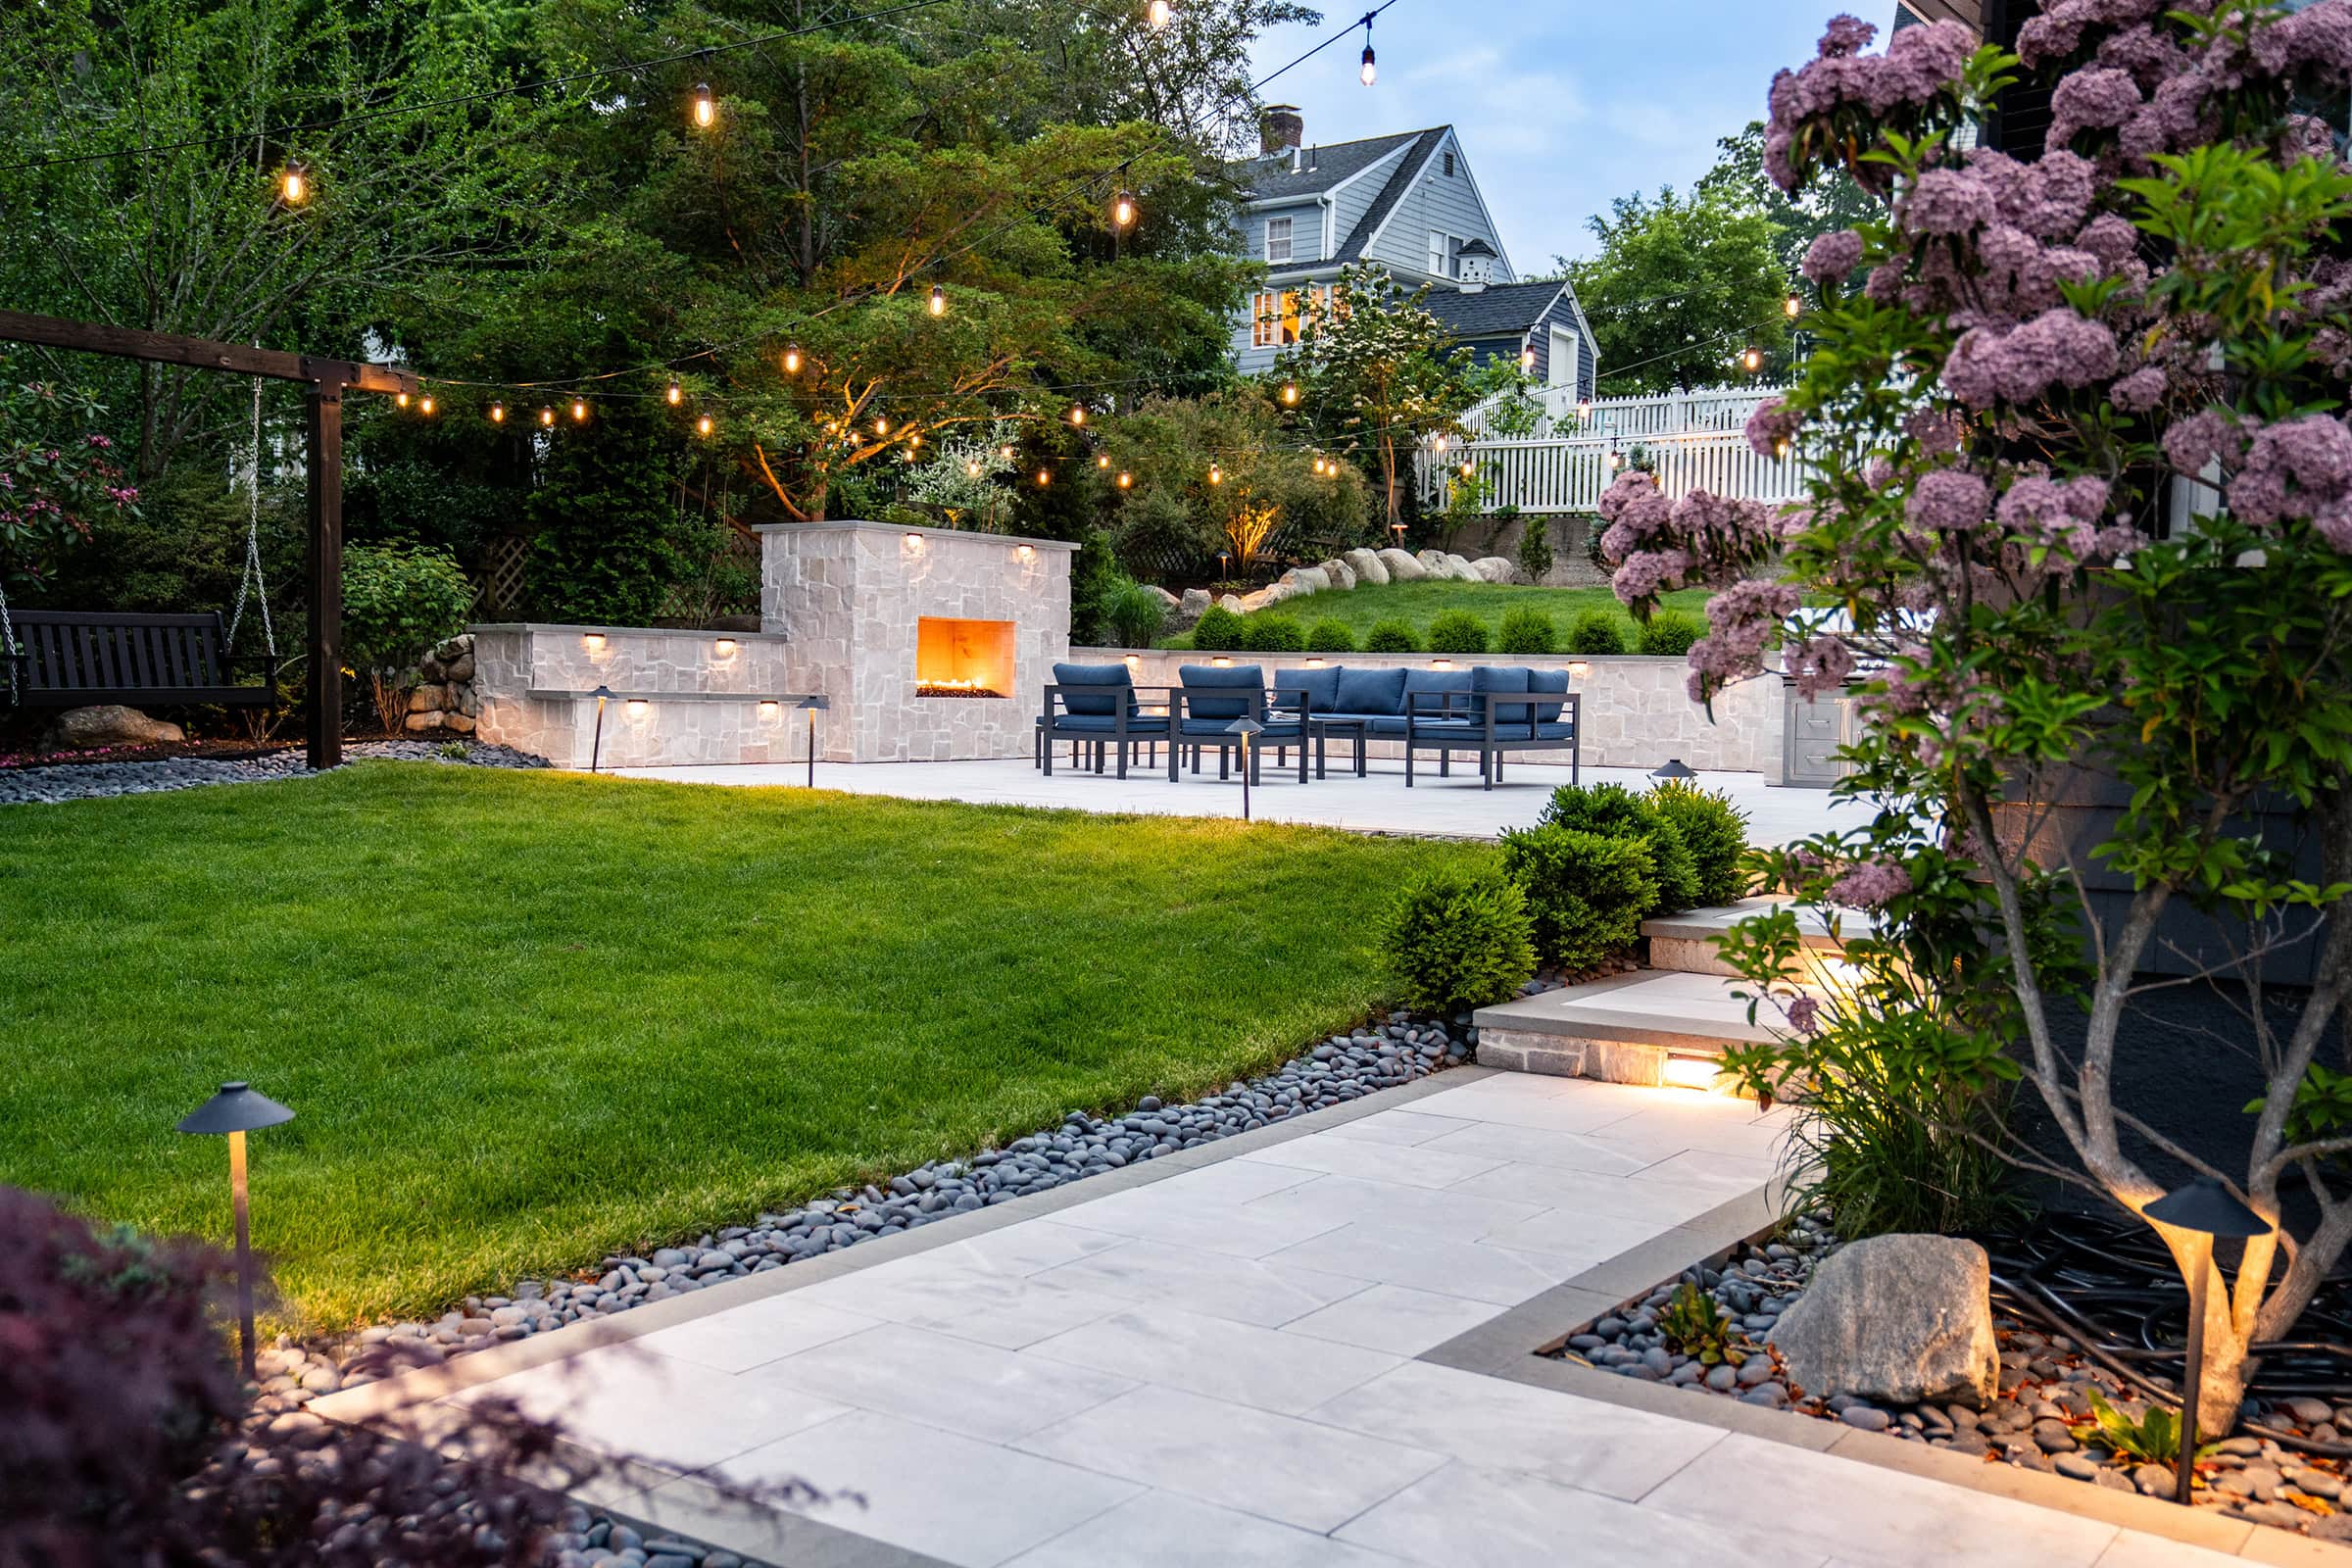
[{"x": 1356, "y": 730}]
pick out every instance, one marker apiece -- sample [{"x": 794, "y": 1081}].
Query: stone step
[
  {"x": 1659, "y": 1027},
  {"x": 1685, "y": 942}
]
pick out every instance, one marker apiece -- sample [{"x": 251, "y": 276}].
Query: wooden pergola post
[{"x": 327, "y": 380}]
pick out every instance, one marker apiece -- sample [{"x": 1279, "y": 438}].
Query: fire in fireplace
[{"x": 962, "y": 657}]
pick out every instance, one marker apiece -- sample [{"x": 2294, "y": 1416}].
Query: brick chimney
[{"x": 1280, "y": 129}]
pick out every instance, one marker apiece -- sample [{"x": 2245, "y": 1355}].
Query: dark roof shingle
[
  {"x": 1320, "y": 167},
  {"x": 1494, "y": 311}
]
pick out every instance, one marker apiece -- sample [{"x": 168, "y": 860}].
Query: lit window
[
  {"x": 1278, "y": 239},
  {"x": 1266, "y": 314}
]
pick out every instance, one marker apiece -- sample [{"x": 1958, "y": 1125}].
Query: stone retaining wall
[
  {"x": 679, "y": 696},
  {"x": 447, "y": 697},
  {"x": 1635, "y": 708}
]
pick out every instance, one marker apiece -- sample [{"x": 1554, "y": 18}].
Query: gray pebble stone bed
[{"x": 82, "y": 781}]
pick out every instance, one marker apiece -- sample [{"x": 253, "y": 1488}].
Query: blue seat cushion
[
  {"x": 1245, "y": 681},
  {"x": 1384, "y": 724},
  {"x": 1502, "y": 680},
  {"x": 1373, "y": 692},
  {"x": 1321, "y": 686},
  {"x": 1539, "y": 732},
  {"x": 1547, "y": 680},
  {"x": 1105, "y": 725},
  {"x": 1222, "y": 729},
  {"x": 1114, "y": 678}
]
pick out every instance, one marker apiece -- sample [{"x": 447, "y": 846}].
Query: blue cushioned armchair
[
  {"x": 1210, "y": 700},
  {"x": 1098, "y": 709},
  {"x": 1492, "y": 710}
]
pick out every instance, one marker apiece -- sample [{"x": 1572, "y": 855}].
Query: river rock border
[{"x": 2037, "y": 1422}]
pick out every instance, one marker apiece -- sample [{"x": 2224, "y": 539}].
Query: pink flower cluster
[
  {"x": 1741, "y": 621},
  {"x": 1772, "y": 424},
  {"x": 2057, "y": 348},
  {"x": 2299, "y": 468},
  {"x": 1832, "y": 257},
  {"x": 1871, "y": 884},
  {"x": 2065, "y": 516},
  {"x": 1948, "y": 501},
  {"x": 1919, "y": 64},
  {"x": 1945, "y": 201},
  {"x": 1657, "y": 545},
  {"x": 2057, "y": 33},
  {"x": 2318, "y": 38},
  {"x": 1818, "y": 664}
]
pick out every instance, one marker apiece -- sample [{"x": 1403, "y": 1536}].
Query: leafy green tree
[
  {"x": 1830, "y": 203},
  {"x": 1210, "y": 457},
  {"x": 1376, "y": 374},
  {"x": 1682, "y": 287},
  {"x": 606, "y": 534}
]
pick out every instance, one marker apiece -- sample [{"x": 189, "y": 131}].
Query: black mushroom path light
[
  {"x": 814, "y": 706},
  {"x": 1247, "y": 729},
  {"x": 1672, "y": 772},
  {"x": 235, "y": 1111},
  {"x": 2208, "y": 1211},
  {"x": 596, "y": 745}
]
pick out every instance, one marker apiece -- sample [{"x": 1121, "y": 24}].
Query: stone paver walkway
[
  {"x": 1377, "y": 804},
  {"x": 1221, "y": 1368}
]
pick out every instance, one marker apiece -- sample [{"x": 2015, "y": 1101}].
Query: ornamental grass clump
[
  {"x": 2079, "y": 476},
  {"x": 1458, "y": 938}
]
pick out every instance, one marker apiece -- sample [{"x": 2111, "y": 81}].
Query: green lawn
[
  {"x": 1417, "y": 603},
  {"x": 528, "y": 1018}
]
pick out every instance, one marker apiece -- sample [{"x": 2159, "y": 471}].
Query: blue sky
[{"x": 1561, "y": 104}]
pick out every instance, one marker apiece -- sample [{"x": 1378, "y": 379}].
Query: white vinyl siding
[{"x": 1278, "y": 239}]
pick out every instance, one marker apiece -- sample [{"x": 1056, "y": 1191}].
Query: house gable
[{"x": 1425, "y": 199}]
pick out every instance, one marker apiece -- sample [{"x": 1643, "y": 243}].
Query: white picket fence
[{"x": 1692, "y": 440}]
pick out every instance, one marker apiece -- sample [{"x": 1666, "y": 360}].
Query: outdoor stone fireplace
[
  {"x": 927, "y": 644},
  {"x": 931, "y": 644}
]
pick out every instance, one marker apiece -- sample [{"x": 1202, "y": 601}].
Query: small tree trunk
[{"x": 2228, "y": 1367}]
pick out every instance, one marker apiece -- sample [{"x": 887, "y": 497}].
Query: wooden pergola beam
[{"x": 326, "y": 380}]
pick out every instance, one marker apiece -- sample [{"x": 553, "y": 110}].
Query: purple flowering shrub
[
  {"x": 128, "y": 1442},
  {"x": 52, "y": 484},
  {"x": 2080, "y": 498}
]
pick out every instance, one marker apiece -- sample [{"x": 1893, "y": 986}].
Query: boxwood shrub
[
  {"x": 1391, "y": 637},
  {"x": 1716, "y": 832},
  {"x": 1670, "y": 632},
  {"x": 1330, "y": 635},
  {"x": 1218, "y": 628},
  {"x": 1614, "y": 811},
  {"x": 1528, "y": 630},
  {"x": 1587, "y": 894},
  {"x": 1271, "y": 634},
  {"x": 1597, "y": 631},
  {"x": 1457, "y": 631},
  {"x": 1459, "y": 936}
]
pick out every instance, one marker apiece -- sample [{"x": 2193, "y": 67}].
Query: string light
[
  {"x": 294, "y": 185},
  {"x": 1290, "y": 393},
  {"x": 1045, "y": 477},
  {"x": 701, "y": 426},
  {"x": 1122, "y": 210},
  {"x": 1468, "y": 472},
  {"x": 1790, "y": 306},
  {"x": 1126, "y": 480},
  {"x": 1078, "y": 413},
  {"x": 705, "y": 110},
  {"x": 426, "y": 408},
  {"x": 497, "y": 414},
  {"x": 881, "y": 426},
  {"x": 971, "y": 466},
  {"x": 547, "y": 418},
  {"x": 579, "y": 408},
  {"x": 1371, "y": 71},
  {"x": 1753, "y": 359},
  {"x": 1102, "y": 461},
  {"x": 1007, "y": 453},
  {"x": 676, "y": 394},
  {"x": 1158, "y": 13},
  {"x": 1527, "y": 358},
  {"x": 1216, "y": 475},
  {"x": 1318, "y": 465},
  {"x": 401, "y": 400},
  {"x": 1437, "y": 444},
  {"x": 938, "y": 300},
  {"x": 791, "y": 359}
]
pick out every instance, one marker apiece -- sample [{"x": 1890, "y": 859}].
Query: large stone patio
[{"x": 1376, "y": 804}]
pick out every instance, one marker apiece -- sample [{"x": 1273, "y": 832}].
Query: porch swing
[{"x": 80, "y": 659}]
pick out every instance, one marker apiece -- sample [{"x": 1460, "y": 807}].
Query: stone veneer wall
[
  {"x": 533, "y": 684},
  {"x": 847, "y": 597},
  {"x": 1635, "y": 708}
]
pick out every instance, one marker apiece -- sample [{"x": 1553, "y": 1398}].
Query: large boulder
[
  {"x": 1341, "y": 575},
  {"x": 110, "y": 724},
  {"x": 1894, "y": 1318},
  {"x": 1459, "y": 569},
  {"x": 1401, "y": 566},
  {"x": 1266, "y": 598},
  {"x": 1168, "y": 602},
  {"x": 1366, "y": 565},
  {"x": 1196, "y": 603},
  {"x": 1306, "y": 579},
  {"x": 1233, "y": 604},
  {"x": 1495, "y": 568}
]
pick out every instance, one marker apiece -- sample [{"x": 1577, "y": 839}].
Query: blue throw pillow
[
  {"x": 1105, "y": 675},
  {"x": 1379, "y": 692},
  {"x": 1547, "y": 680},
  {"x": 1199, "y": 678},
  {"x": 1417, "y": 681},
  {"x": 1321, "y": 686},
  {"x": 1502, "y": 680}
]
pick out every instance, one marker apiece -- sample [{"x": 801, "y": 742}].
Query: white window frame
[
  {"x": 1565, "y": 338},
  {"x": 1444, "y": 256},
  {"x": 1282, "y": 253},
  {"x": 1265, "y": 319}
]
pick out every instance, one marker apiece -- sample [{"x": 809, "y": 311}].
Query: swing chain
[{"x": 251, "y": 579}]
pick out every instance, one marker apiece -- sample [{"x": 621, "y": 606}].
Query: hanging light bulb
[
  {"x": 1126, "y": 480},
  {"x": 1158, "y": 13},
  {"x": 294, "y": 185},
  {"x": 1102, "y": 461},
  {"x": 1078, "y": 413},
  {"x": 791, "y": 359},
  {"x": 881, "y": 426},
  {"x": 1583, "y": 409},
  {"x": 497, "y": 414},
  {"x": 579, "y": 408},
  {"x": 1438, "y": 443},
  {"x": 426, "y": 408},
  {"x": 1319, "y": 464},
  {"x": 1371, "y": 71},
  {"x": 1780, "y": 449},
  {"x": 706, "y": 108},
  {"x": 547, "y": 418},
  {"x": 401, "y": 400},
  {"x": 1216, "y": 475},
  {"x": 1753, "y": 359},
  {"x": 915, "y": 443},
  {"x": 1527, "y": 358},
  {"x": 1289, "y": 394},
  {"x": 1007, "y": 453},
  {"x": 971, "y": 467},
  {"x": 938, "y": 300},
  {"x": 1045, "y": 477},
  {"x": 1122, "y": 210},
  {"x": 676, "y": 394},
  {"x": 1467, "y": 471},
  {"x": 1790, "y": 306},
  {"x": 701, "y": 426}
]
